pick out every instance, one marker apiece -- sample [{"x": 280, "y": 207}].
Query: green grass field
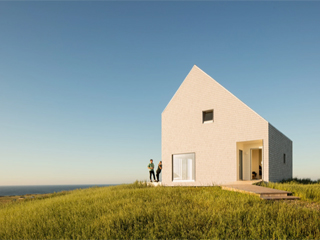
[{"x": 137, "y": 211}]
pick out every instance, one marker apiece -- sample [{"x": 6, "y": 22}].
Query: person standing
[
  {"x": 159, "y": 170},
  {"x": 151, "y": 171}
]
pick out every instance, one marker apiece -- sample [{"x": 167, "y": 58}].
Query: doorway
[
  {"x": 245, "y": 163},
  {"x": 240, "y": 165},
  {"x": 256, "y": 163}
]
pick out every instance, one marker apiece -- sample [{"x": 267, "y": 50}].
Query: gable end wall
[{"x": 214, "y": 144}]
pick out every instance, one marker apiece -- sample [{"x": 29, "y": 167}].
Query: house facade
[{"x": 211, "y": 137}]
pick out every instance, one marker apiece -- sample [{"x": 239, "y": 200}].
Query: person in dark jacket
[{"x": 159, "y": 170}]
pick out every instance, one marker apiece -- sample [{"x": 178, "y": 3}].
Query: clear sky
[{"x": 83, "y": 84}]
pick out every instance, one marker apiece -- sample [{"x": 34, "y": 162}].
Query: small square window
[
  {"x": 284, "y": 158},
  {"x": 207, "y": 116}
]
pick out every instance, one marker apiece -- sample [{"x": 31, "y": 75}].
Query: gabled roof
[{"x": 196, "y": 68}]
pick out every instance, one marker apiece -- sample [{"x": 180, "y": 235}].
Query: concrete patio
[
  {"x": 154, "y": 184},
  {"x": 263, "y": 192}
]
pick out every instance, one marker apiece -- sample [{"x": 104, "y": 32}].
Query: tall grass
[
  {"x": 304, "y": 188},
  {"x": 300, "y": 180},
  {"x": 136, "y": 211}
]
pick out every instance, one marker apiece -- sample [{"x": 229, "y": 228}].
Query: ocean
[{"x": 22, "y": 190}]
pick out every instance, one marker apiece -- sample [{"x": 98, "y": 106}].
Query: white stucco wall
[{"x": 215, "y": 144}]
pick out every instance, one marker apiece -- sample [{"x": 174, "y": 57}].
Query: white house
[{"x": 209, "y": 136}]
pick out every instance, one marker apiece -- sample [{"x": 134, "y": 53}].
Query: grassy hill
[{"x": 138, "y": 211}]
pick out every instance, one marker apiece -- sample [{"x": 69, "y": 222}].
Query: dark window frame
[{"x": 206, "y": 118}]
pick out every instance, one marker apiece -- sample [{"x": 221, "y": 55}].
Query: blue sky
[{"x": 83, "y": 84}]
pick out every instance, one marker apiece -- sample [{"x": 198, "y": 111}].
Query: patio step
[
  {"x": 274, "y": 194},
  {"x": 279, "y": 197}
]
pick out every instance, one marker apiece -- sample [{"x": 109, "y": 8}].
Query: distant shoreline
[{"x": 6, "y": 191}]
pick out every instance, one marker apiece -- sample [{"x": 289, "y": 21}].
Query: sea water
[{"x": 42, "y": 189}]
